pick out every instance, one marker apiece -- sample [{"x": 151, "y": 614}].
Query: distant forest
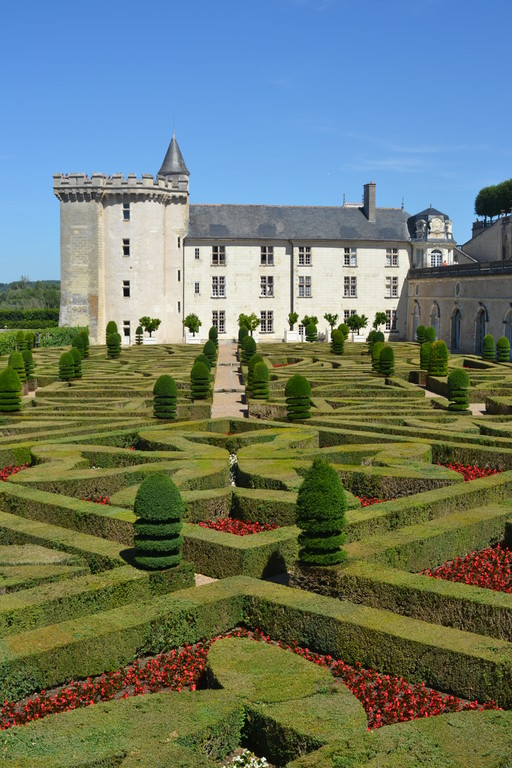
[{"x": 25, "y": 294}]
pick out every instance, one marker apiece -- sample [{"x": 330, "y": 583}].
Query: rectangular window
[
  {"x": 196, "y": 288},
  {"x": 267, "y": 322},
  {"x": 304, "y": 256},
  {"x": 179, "y": 275},
  {"x": 390, "y": 319},
  {"x": 179, "y": 307},
  {"x": 126, "y": 329},
  {"x": 350, "y": 257},
  {"x": 126, "y": 288},
  {"x": 267, "y": 256},
  {"x": 196, "y": 253},
  {"x": 392, "y": 257},
  {"x": 179, "y": 242},
  {"x": 301, "y": 329},
  {"x": 219, "y": 320},
  {"x": 436, "y": 259},
  {"x": 218, "y": 287},
  {"x": 126, "y": 211},
  {"x": 391, "y": 287},
  {"x": 219, "y": 255},
  {"x": 304, "y": 287},
  {"x": 266, "y": 285},
  {"x": 126, "y": 246},
  {"x": 350, "y": 287},
  {"x": 347, "y": 313}
]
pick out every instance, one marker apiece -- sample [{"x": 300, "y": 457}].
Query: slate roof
[
  {"x": 281, "y": 222},
  {"x": 173, "y": 161}
]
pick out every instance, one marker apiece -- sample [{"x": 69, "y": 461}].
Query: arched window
[
  {"x": 455, "y": 330},
  {"x": 480, "y": 326},
  {"x": 416, "y": 314},
  {"x": 435, "y": 315},
  {"x": 436, "y": 258}
]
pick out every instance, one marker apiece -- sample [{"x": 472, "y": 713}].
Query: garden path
[{"x": 229, "y": 392}]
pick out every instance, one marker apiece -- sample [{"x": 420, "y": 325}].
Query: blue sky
[{"x": 276, "y": 101}]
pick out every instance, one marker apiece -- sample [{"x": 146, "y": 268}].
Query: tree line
[{"x": 493, "y": 200}]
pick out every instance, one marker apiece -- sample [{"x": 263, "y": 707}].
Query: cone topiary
[
  {"x": 202, "y": 358},
  {"x": 157, "y": 530},
  {"x": 113, "y": 345},
  {"x": 377, "y": 346},
  {"x": 242, "y": 333},
  {"x": 337, "y": 342},
  {"x": 200, "y": 382},
  {"x": 66, "y": 366},
  {"x": 20, "y": 341},
  {"x": 320, "y": 514},
  {"x": 17, "y": 363},
  {"x": 29, "y": 340},
  {"x": 438, "y": 360},
  {"x": 488, "y": 348},
  {"x": 210, "y": 350},
  {"x": 28, "y": 360},
  {"x": 111, "y": 328},
  {"x": 343, "y": 327},
  {"x": 85, "y": 336},
  {"x": 77, "y": 362},
  {"x": 10, "y": 391},
  {"x": 139, "y": 335},
  {"x": 430, "y": 334},
  {"x": 213, "y": 335},
  {"x": 311, "y": 332},
  {"x": 503, "y": 350},
  {"x": 420, "y": 334},
  {"x": 298, "y": 402},
  {"x": 425, "y": 355},
  {"x": 458, "y": 390},
  {"x": 261, "y": 378},
  {"x": 387, "y": 360},
  {"x": 248, "y": 349},
  {"x": 255, "y": 359},
  {"x": 165, "y": 398},
  {"x": 79, "y": 343}
]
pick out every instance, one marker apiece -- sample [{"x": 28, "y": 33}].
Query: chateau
[{"x": 136, "y": 246}]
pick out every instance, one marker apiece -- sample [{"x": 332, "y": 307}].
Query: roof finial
[
  {"x": 343, "y": 198},
  {"x": 403, "y": 202},
  {"x": 173, "y": 125}
]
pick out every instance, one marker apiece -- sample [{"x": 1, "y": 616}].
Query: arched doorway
[
  {"x": 455, "y": 330},
  {"x": 480, "y": 325},
  {"x": 416, "y": 315},
  {"x": 435, "y": 315}
]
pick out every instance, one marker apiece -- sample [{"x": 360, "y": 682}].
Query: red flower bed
[
  {"x": 470, "y": 472},
  {"x": 238, "y": 527},
  {"x": 367, "y": 501},
  {"x": 386, "y": 699},
  {"x": 281, "y": 365},
  {"x": 6, "y": 472},
  {"x": 103, "y": 500},
  {"x": 490, "y": 568}
]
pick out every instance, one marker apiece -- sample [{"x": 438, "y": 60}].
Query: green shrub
[
  {"x": 503, "y": 350},
  {"x": 430, "y": 334},
  {"x": 311, "y": 332},
  {"x": 420, "y": 334},
  {"x": 379, "y": 336},
  {"x": 113, "y": 345},
  {"x": 343, "y": 327},
  {"x": 242, "y": 333},
  {"x": 255, "y": 359},
  {"x": 458, "y": 390},
  {"x": 29, "y": 340},
  {"x": 261, "y": 378},
  {"x": 387, "y": 360},
  {"x": 77, "y": 362},
  {"x": 58, "y": 337},
  {"x": 10, "y": 391},
  {"x": 202, "y": 358},
  {"x": 28, "y": 360},
  {"x": 377, "y": 346},
  {"x": 17, "y": 363},
  {"x": 159, "y": 511},
  {"x": 85, "y": 336},
  {"x": 321, "y": 507},
  {"x": 297, "y": 392},
  {"x": 488, "y": 348},
  {"x": 199, "y": 382},
  {"x": 425, "y": 355},
  {"x": 337, "y": 342},
  {"x": 111, "y": 328},
  {"x": 248, "y": 349},
  {"x": 139, "y": 335},
  {"x": 165, "y": 398},
  {"x": 438, "y": 360},
  {"x": 79, "y": 343},
  {"x": 213, "y": 335},
  {"x": 20, "y": 341},
  {"x": 66, "y": 366},
  {"x": 210, "y": 350}
]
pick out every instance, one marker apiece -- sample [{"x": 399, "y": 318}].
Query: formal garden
[{"x": 324, "y": 583}]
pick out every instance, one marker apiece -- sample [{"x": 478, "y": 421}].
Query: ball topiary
[
  {"x": 157, "y": 530},
  {"x": 488, "y": 347},
  {"x": 242, "y": 333},
  {"x": 30, "y": 340},
  {"x": 261, "y": 378},
  {"x": 79, "y": 343},
  {"x": 377, "y": 346},
  {"x": 200, "y": 382},
  {"x": 320, "y": 514},
  {"x": 111, "y": 328},
  {"x": 77, "y": 362},
  {"x": 425, "y": 355},
  {"x": 202, "y": 358},
  {"x": 387, "y": 360},
  {"x": 503, "y": 350},
  {"x": 298, "y": 403},
  {"x": 17, "y": 363},
  {"x": 379, "y": 336},
  {"x": 28, "y": 360},
  {"x": 66, "y": 366},
  {"x": 458, "y": 390},
  {"x": 10, "y": 391},
  {"x": 165, "y": 398},
  {"x": 248, "y": 349},
  {"x": 337, "y": 342},
  {"x": 85, "y": 336},
  {"x": 438, "y": 360},
  {"x": 139, "y": 335},
  {"x": 255, "y": 359},
  {"x": 21, "y": 344},
  {"x": 113, "y": 345},
  {"x": 311, "y": 332},
  {"x": 430, "y": 334},
  {"x": 213, "y": 335},
  {"x": 210, "y": 350},
  {"x": 343, "y": 327},
  {"x": 420, "y": 334}
]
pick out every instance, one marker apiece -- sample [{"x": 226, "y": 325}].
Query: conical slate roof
[{"x": 173, "y": 161}]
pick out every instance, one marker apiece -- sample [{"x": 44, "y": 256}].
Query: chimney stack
[{"x": 369, "y": 201}]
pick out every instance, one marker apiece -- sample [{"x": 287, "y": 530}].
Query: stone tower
[{"x": 122, "y": 248}]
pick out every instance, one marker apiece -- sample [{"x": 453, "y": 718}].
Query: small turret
[{"x": 173, "y": 164}]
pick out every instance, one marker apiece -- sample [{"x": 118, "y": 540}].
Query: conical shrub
[
  {"x": 488, "y": 348},
  {"x": 111, "y": 328},
  {"x": 165, "y": 397},
  {"x": 77, "y": 362},
  {"x": 199, "y": 382},
  {"x": 85, "y": 336},
  {"x": 66, "y": 366},
  {"x": 139, "y": 335},
  {"x": 420, "y": 334},
  {"x": 430, "y": 334},
  {"x": 438, "y": 361},
  {"x": 255, "y": 359},
  {"x": 311, "y": 332},
  {"x": 425, "y": 355},
  {"x": 242, "y": 333},
  {"x": 343, "y": 327},
  {"x": 320, "y": 514},
  {"x": 21, "y": 343},
  {"x": 503, "y": 350},
  {"x": 248, "y": 349},
  {"x": 79, "y": 343},
  {"x": 376, "y": 350},
  {"x": 261, "y": 378},
  {"x": 387, "y": 360},
  {"x": 337, "y": 342},
  {"x": 379, "y": 336},
  {"x": 213, "y": 335},
  {"x": 458, "y": 390},
  {"x": 298, "y": 403},
  {"x": 157, "y": 530},
  {"x": 30, "y": 340},
  {"x": 210, "y": 350},
  {"x": 10, "y": 391},
  {"x": 17, "y": 363},
  {"x": 113, "y": 345},
  {"x": 28, "y": 360},
  {"x": 202, "y": 358}
]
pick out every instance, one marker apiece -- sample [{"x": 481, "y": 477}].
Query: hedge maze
[{"x": 73, "y": 605}]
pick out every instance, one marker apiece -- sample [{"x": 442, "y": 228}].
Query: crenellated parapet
[{"x": 98, "y": 186}]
